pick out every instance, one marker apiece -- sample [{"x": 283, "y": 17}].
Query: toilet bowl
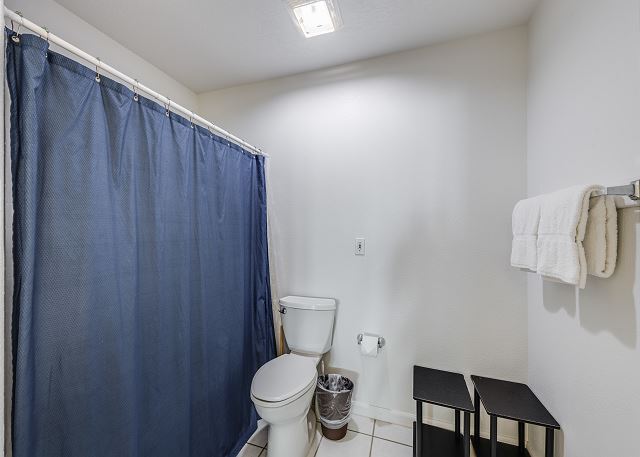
[{"x": 282, "y": 389}]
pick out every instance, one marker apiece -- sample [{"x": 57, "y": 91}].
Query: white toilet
[{"x": 283, "y": 388}]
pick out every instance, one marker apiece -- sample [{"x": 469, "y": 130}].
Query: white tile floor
[{"x": 365, "y": 438}]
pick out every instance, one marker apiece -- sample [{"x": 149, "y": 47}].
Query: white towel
[
  {"x": 601, "y": 237},
  {"x": 524, "y": 223},
  {"x": 563, "y": 222}
]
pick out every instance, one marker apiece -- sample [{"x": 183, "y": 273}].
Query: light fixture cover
[{"x": 315, "y": 17}]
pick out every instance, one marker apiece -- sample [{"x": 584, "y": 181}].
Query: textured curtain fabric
[
  {"x": 3, "y": 264},
  {"x": 142, "y": 306}
]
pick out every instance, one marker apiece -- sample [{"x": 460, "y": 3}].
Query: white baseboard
[
  {"x": 383, "y": 414},
  {"x": 407, "y": 419}
]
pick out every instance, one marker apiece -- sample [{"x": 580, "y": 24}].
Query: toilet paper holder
[{"x": 381, "y": 340}]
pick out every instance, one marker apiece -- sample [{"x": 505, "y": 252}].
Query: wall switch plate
[{"x": 359, "y": 250}]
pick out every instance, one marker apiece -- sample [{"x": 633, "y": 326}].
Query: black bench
[
  {"x": 513, "y": 401},
  {"x": 441, "y": 388}
]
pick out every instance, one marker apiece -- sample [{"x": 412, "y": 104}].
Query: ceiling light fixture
[{"x": 315, "y": 17}]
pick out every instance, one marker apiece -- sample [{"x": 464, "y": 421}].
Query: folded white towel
[
  {"x": 524, "y": 223},
  {"x": 601, "y": 237},
  {"x": 563, "y": 222}
]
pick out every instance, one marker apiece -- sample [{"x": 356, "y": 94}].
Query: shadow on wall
[
  {"x": 537, "y": 435},
  {"x": 608, "y": 305},
  {"x": 559, "y": 297},
  {"x": 605, "y": 305}
]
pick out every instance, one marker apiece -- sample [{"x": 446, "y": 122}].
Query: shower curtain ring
[
  {"x": 16, "y": 38},
  {"x": 191, "y": 119},
  {"x": 135, "y": 90},
  {"x": 98, "y": 69},
  {"x": 167, "y": 107},
  {"x": 46, "y": 53}
]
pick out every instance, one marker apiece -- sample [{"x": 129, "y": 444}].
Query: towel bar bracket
[{"x": 631, "y": 190}]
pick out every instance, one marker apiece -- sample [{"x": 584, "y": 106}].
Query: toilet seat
[{"x": 283, "y": 380}]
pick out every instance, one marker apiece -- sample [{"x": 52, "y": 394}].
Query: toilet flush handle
[{"x": 282, "y": 310}]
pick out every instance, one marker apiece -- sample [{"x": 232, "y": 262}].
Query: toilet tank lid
[{"x": 312, "y": 303}]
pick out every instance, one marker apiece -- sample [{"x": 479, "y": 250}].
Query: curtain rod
[{"x": 45, "y": 34}]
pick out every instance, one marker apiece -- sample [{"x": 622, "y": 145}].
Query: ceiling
[{"x": 211, "y": 44}]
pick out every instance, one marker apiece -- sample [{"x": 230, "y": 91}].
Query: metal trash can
[{"x": 333, "y": 404}]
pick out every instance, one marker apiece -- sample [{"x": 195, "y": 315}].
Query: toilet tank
[{"x": 308, "y": 323}]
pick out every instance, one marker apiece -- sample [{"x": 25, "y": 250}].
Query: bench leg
[
  {"x": 548, "y": 445},
  {"x": 467, "y": 433},
  {"x": 418, "y": 449},
  {"x": 521, "y": 438},
  {"x": 494, "y": 436},
  {"x": 457, "y": 422},
  {"x": 476, "y": 416}
]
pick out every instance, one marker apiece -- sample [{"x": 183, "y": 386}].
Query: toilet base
[{"x": 292, "y": 439}]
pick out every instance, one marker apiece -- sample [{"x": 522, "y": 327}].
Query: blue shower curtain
[{"x": 142, "y": 305}]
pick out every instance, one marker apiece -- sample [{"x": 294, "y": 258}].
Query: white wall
[
  {"x": 423, "y": 154},
  {"x": 68, "y": 26},
  {"x": 583, "y": 127}
]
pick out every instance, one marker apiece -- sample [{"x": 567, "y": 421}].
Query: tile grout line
[
  {"x": 373, "y": 432},
  {"x": 394, "y": 442},
  {"x": 319, "y": 443},
  {"x": 361, "y": 433}
]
